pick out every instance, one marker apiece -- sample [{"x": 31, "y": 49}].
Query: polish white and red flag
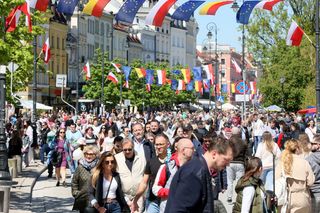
[
  {"x": 86, "y": 70},
  {"x": 157, "y": 14},
  {"x": 161, "y": 77},
  {"x": 267, "y": 4},
  {"x": 148, "y": 87},
  {"x": 40, "y": 5},
  {"x": 117, "y": 67},
  {"x": 112, "y": 77},
  {"x": 236, "y": 65},
  {"x": 205, "y": 84},
  {"x": 13, "y": 18},
  {"x": 46, "y": 51},
  {"x": 209, "y": 72},
  {"x": 295, "y": 35}
]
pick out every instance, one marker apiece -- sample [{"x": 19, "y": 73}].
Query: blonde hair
[
  {"x": 291, "y": 147},
  {"x": 99, "y": 167},
  {"x": 92, "y": 148},
  {"x": 267, "y": 138},
  {"x": 304, "y": 143}
]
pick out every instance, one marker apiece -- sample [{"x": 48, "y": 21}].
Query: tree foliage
[
  {"x": 266, "y": 39},
  {"x": 17, "y": 46},
  {"x": 160, "y": 96}
]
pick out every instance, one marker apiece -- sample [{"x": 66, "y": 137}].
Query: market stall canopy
[
  {"x": 308, "y": 111},
  {"x": 228, "y": 106},
  {"x": 273, "y": 108},
  {"x": 28, "y": 104}
]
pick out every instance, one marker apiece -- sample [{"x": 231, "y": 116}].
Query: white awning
[{"x": 28, "y": 104}]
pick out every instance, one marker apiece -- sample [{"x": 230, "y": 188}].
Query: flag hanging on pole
[
  {"x": 186, "y": 75},
  {"x": 95, "y": 7},
  {"x": 128, "y": 10},
  {"x": 210, "y": 8},
  {"x": 117, "y": 67},
  {"x": 197, "y": 73},
  {"x": 112, "y": 77},
  {"x": 13, "y": 18},
  {"x": 141, "y": 72},
  {"x": 158, "y": 12},
  {"x": 295, "y": 35},
  {"x": 245, "y": 11},
  {"x": 46, "y": 51},
  {"x": 40, "y": 5},
  {"x": 253, "y": 87},
  {"x": 186, "y": 10},
  {"x": 235, "y": 65},
  {"x": 209, "y": 72},
  {"x": 67, "y": 6},
  {"x": 86, "y": 70},
  {"x": 267, "y": 4},
  {"x": 126, "y": 71}
]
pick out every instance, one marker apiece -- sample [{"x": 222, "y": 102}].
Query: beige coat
[{"x": 299, "y": 181}]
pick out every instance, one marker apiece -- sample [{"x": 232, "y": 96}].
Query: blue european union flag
[
  {"x": 149, "y": 76},
  {"x": 197, "y": 73},
  {"x": 126, "y": 71},
  {"x": 190, "y": 86},
  {"x": 67, "y": 6},
  {"x": 245, "y": 11},
  {"x": 129, "y": 10},
  {"x": 174, "y": 84},
  {"x": 185, "y": 11},
  {"x": 176, "y": 72}
]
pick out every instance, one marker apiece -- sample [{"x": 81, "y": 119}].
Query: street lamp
[
  {"x": 210, "y": 27},
  {"x": 317, "y": 68},
  {"x": 235, "y": 7},
  {"x": 282, "y": 80}
]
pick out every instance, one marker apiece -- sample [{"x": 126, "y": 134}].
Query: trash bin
[{"x": 5, "y": 196}]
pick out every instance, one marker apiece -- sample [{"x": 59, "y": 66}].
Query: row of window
[{"x": 95, "y": 27}]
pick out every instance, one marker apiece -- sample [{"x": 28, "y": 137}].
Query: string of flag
[
  {"x": 192, "y": 80},
  {"x": 128, "y": 10}
]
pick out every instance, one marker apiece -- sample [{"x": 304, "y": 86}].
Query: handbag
[
  {"x": 91, "y": 209},
  {"x": 281, "y": 191},
  {"x": 56, "y": 157}
]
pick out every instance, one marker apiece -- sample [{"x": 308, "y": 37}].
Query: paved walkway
[{"x": 46, "y": 197}]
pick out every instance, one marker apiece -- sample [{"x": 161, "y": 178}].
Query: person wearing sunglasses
[
  {"x": 105, "y": 187},
  {"x": 81, "y": 177},
  {"x": 131, "y": 166}
]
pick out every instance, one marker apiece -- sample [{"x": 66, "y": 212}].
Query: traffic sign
[
  {"x": 220, "y": 99},
  {"x": 61, "y": 80},
  {"x": 240, "y": 87}
]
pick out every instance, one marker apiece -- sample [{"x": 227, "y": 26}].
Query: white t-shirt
[
  {"x": 112, "y": 190},
  {"x": 266, "y": 156}
]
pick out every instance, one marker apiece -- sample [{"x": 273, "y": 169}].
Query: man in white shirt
[{"x": 257, "y": 131}]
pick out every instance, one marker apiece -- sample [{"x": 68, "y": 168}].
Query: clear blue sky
[{"x": 225, "y": 20}]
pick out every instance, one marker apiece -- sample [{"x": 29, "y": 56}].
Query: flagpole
[{"x": 317, "y": 68}]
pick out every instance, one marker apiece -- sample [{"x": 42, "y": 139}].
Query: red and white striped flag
[
  {"x": 86, "y": 70},
  {"x": 117, "y": 67},
  {"x": 148, "y": 87},
  {"x": 158, "y": 12},
  {"x": 40, "y": 5},
  {"x": 13, "y": 19},
  {"x": 209, "y": 71},
  {"x": 267, "y": 4},
  {"x": 236, "y": 65},
  {"x": 46, "y": 51},
  {"x": 253, "y": 87},
  {"x": 112, "y": 77},
  {"x": 161, "y": 77},
  {"x": 181, "y": 85},
  {"x": 295, "y": 35}
]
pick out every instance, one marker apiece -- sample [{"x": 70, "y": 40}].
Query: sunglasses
[
  {"x": 62, "y": 132},
  {"x": 108, "y": 162},
  {"x": 127, "y": 150},
  {"x": 89, "y": 154}
]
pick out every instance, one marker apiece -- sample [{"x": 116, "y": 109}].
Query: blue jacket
[{"x": 191, "y": 188}]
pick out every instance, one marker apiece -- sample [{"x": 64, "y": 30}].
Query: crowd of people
[{"x": 175, "y": 161}]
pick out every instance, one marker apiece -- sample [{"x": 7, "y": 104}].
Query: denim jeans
[
  {"x": 153, "y": 208},
  {"x": 113, "y": 207},
  {"x": 234, "y": 172},
  {"x": 46, "y": 149},
  {"x": 256, "y": 141},
  {"x": 267, "y": 178}
]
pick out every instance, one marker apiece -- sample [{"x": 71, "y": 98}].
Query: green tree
[
  {"x": 137, "y": 94},
  {"x": 17, "y": 46},
  {"x": 266, "y": 35}
]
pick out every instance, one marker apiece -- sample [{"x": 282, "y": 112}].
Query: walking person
[
  {"x": 80, "y": 179},
  {"x": 266, "y": 151},
  {"x": 105, "y": 187},
  {"x": 250, "y": 191},
  {"x": 26, "y": 143},
  {"x": 314, "y": 161},
  {"x": 191, "y": 188},
  {"x": 299, "y": 178}
]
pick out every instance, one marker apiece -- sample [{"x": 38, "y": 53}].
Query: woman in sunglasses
[
  {"x": 105, "y": 192},
  {"x": 81, "y": 177}
]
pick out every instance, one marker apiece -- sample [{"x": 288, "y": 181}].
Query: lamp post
[
  {"x": 235, "y": 7},
  {"x": 34, "y": 93},
  {"x": 282, "y": 80},
  {"x": 102, "y": 76},
  {"x": 317, "y": 68},
  {"x": 210, "y": 27},
  {"x": 78, "y": 50}
]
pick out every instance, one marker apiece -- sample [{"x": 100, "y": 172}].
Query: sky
[{"x": 228, "y": 28}]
